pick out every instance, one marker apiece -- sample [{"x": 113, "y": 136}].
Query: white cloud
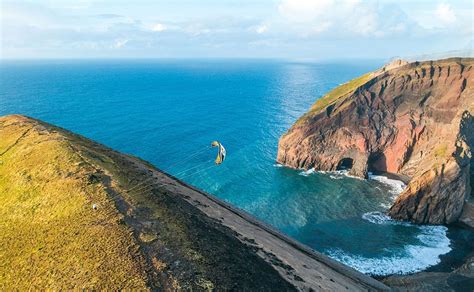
[
  {"x": 278, "y": 27},
  {"x": 120, "y": 43},
  {"x": 445, "y": 13},
  {"x": 158, "y": 27},
  {"x": 261, "y": 28},
  {"x": 304, "y": 10},
  {"x": 309, "y": 17},
  {"x": 344, "y": 18},
  {"x": 321, "y": 27}
]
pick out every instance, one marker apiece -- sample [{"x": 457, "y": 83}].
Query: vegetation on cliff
[
  {"x": 337, "y": 95},
  {"x": 52, "y": 237}
]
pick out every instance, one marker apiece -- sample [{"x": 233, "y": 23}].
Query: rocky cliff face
[{"x": 410, "y": 119}]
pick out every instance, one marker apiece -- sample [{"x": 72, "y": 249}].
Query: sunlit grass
[
  {"x": 50, "y": 235},
  {"x": 337, "y": 95}
]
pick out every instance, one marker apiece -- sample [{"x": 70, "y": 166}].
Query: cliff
[
  {"x": 410, "y": 119},
  {"x": 75, "y": 214}
]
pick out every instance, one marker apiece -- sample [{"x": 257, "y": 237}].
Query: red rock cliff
[{"x": 410, "y": 119}]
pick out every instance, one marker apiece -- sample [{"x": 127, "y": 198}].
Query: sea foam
[
  {"x": 396, "y": 186},
  {"x": 307, "y": 172},
  {"x": 411, "y": 258},
  {"x": 414, "y": 258}
]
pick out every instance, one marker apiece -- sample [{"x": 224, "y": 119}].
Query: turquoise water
[{"x": 168, "y": 112}]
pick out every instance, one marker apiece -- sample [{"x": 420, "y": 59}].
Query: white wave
[
  {"x": 278, "y": 165},
  {"x": 307, "y": 172},
  {"x": 377, "y": 218},
  {"x": 352, "y": 176},
  {"x": 434, "y": 243},
  {"x": 338, "y": 174},
  {"x": 386, "y": 205},
  {"x": 396, "y": 186},
  {"x": 413, "y": 258},
  {"x": 334, "y": 174}
]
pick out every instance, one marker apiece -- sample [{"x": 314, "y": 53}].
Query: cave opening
[
  {"x": 377, "y": 162},
  {"x": 345, "y": 163}
]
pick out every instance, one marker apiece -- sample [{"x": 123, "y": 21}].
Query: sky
[{"x": 288, "y": 29}]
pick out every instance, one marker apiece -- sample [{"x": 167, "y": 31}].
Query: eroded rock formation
[{"x": 410, "y": 119}]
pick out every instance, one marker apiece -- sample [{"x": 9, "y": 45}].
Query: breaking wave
[
  {"x": 396, "y": 186},
  {"x": 307, "y": 172},
  {"x": 433, "y": 242}
]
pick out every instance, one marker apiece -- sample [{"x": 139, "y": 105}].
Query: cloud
[
  {"x": 120, "y": 43},
  {"x": 305, "y": 10},
  {"x": 309, "y": 17},
  {"x": 445, "y": 13},
  {"x": 269, "y": 28},
  {"x": 109, "y": 15},
  {"x": 158, "y": 27},
  {"x": 261, "y": 28},
  {"x": 344, "y": 18}
]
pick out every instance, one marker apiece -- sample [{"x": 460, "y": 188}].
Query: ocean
[{"x": 169, "y": 111}]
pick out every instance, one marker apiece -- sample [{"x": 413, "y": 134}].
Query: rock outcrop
[
  {"x": 410, "y": 119},
  {"x": 460, "y": 279},
  {"x": 467, "y": 215}
]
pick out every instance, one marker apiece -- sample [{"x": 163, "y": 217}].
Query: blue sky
[{"x": 290, "y": 29}]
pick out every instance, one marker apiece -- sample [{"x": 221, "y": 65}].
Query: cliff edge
[
  {"x": 75, "y": 214},
  {"x": 412, "y": 119}
]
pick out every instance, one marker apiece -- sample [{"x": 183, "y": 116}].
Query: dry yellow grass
[
  {"x": 50, "y": 234},
  {"x": 143, "y": 235}
]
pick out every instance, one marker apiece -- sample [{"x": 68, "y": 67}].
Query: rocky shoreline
[
  {"x": 410, "y": 119},
  {"x": 461, "y": 279}
]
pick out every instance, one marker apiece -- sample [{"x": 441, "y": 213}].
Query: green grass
[
  {"x": 52, "y": 238},
  {"x": 337, "y": 95},
  {"x": 50, "y": 235}
]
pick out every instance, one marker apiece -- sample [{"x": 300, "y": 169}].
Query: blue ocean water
[{"x": 168, "y": 112}]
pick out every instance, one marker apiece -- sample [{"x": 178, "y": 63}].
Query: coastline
[
  {"x": 448, "y": 262},
  {"x": 395, "y": 176}
]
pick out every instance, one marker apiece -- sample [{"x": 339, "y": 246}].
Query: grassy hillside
[
  {"x": 337, "y": 95},
  {"x": 51, "y": 236},
  {"x": 142, "y": 235}
]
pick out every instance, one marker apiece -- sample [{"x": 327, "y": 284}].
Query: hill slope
[
  {"x": 410, "y": 119},
  {"x": 148, "y": 230}
]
